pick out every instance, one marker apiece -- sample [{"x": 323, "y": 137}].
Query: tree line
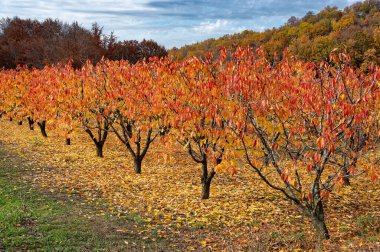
[
  {"x": 310, "y": 38},
  {"x": 40, "y": 43},
  {"x": 305, "y": 129}
]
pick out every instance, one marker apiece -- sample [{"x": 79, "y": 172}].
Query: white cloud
[{"x": 211, "y": 27}]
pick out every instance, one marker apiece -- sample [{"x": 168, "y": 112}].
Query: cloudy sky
[{"x": 169, "y": 22}]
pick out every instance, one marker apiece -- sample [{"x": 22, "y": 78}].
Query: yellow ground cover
[{"x": 242, "y": 213}]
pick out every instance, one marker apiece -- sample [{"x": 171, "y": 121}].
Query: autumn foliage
[
  {"x": 41, "y": 43},
  {"x": 302, "y": 127},
  {"x": 310, "y": 38}
]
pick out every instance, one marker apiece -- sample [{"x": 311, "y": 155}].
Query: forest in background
[
  {"x": 310, "y": 38},
  {"x": 40, "y": 43}
]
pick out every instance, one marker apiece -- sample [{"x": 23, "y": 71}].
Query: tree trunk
[
  {"x": 206, "y": 179},
  {"x": 318, "y": 219},
  {"x": 31, "y": 123},
  {"x": 99, "y": 143},
  {"x": 346, "y": 174},
  {"x": 137, "y": 162},
  {"x": 206, "y": 189},
  {"x": 68, "y": 141},
  {"x": 99, "y": 150},
  {"x": 20, "y": 122},
  {"x": 42, "y": 126},
  {"x": 346, "y": 177},
  {"x": 10, "y": 119}
]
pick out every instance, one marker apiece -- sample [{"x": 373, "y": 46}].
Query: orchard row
[{"x": 301, "y": 127}]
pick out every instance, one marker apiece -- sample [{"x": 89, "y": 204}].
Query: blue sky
[{"x": 169, "y": 22}]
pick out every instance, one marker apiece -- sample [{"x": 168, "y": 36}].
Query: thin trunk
[
  {"x": 346, "y": 177},
  {"x": 20, "y": 122},
  {"x": 206, "y": 189},
  {"x": 318, "y": 219},
  {"x": 206, "y": 179},
  {"x": 68, "y": 141},
  {"x": 42, "y": 126},
  {"x": 137, "y": 165},
  {"x": 99, "y": 143},
  {"x": 346, "y": 174},
  {"x": 102, "y": 139},
  {"x": 10, "y": 119},
  {"x": 99, "y": 150},
  {"x": 124, "y": 136},
  {"x": 31, "y": 123}
]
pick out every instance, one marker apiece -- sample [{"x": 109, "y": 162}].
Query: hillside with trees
[
  {"x": 310, "y": 38},
  {"x": 40, "y": 43}
]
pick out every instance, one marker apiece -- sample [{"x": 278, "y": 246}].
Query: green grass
[{"x": 37, "y": 221}]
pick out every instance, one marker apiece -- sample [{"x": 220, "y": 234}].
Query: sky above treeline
[{"x": 169, "y": 22}]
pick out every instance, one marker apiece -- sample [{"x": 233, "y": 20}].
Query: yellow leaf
[{"x": 360, "y": 243}]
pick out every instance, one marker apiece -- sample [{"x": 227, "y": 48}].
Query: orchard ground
[{"x": 108, "y": 206}]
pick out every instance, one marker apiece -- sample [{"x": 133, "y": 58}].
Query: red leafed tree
[
  {"x": 303, "y": 126},
  {"x": 92, "y": 108},
  {"x": 19, "y": 88},
  {"x": 39, "y": 102},
  {"x": 133, "y": 94},
  {"x": 8, "y": 99},
  {"x": 196, "y": 114},
  {"x": 64, "y": 88}
]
